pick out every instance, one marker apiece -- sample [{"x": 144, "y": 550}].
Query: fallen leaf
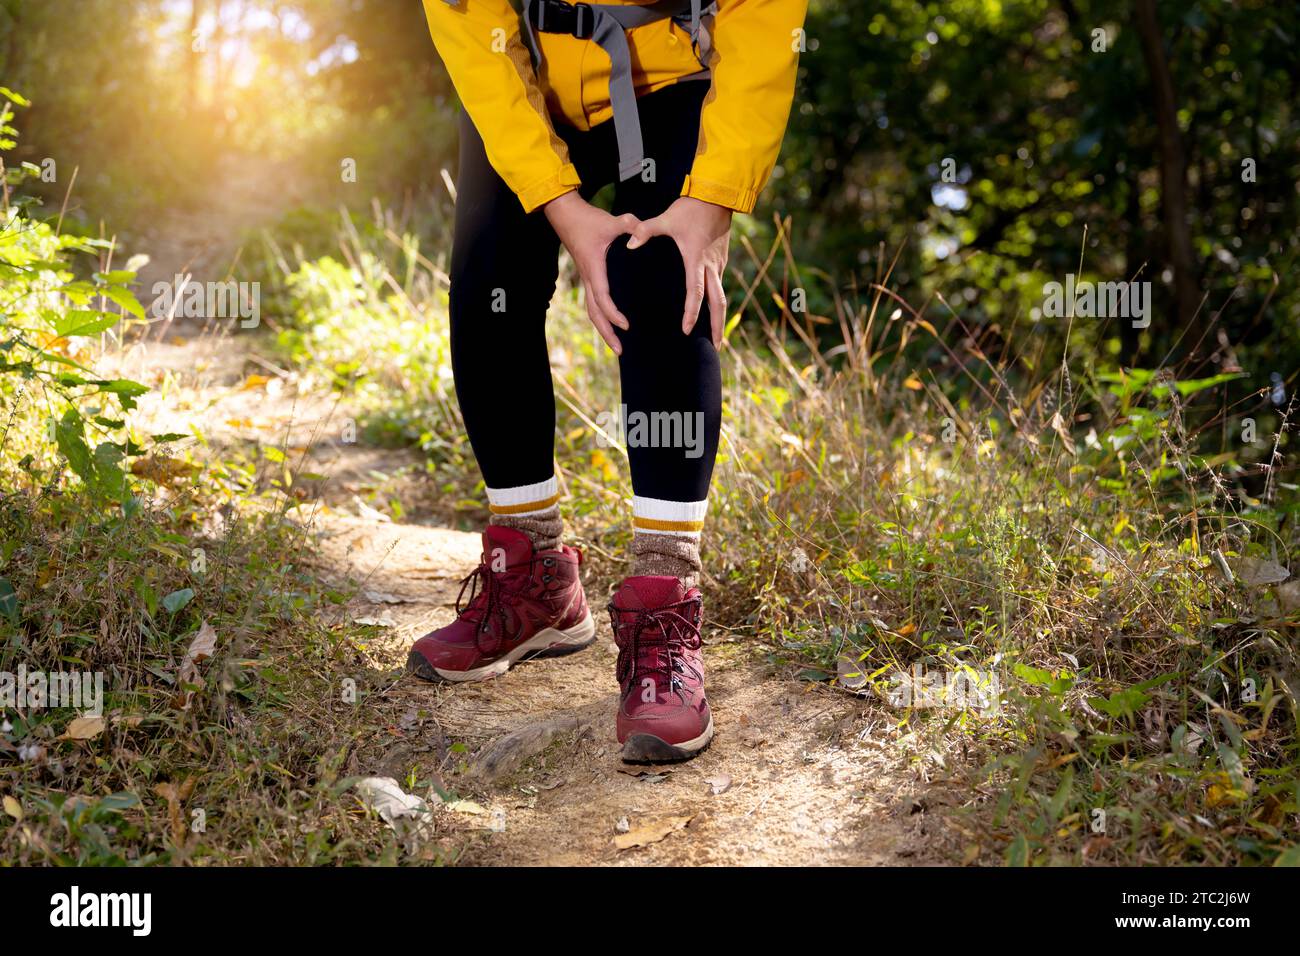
[
  {"x": 176, "y": 796},
  {"x": 254, "y": 381},
  {"x": 201, "y": 648},
  {"x": 13, "y": 808},
  {"x": 652, "y": 832},
  {"x": 467, "y": 806},
  {"x": 850, "y": 673},
  {"x": 719, "y": 783},
  {"x": 1257, "y": 573},
  {"x": 394, "y": 805},
  {"x": 374, "y": 621},
  {"x": 83, "y": 728}
]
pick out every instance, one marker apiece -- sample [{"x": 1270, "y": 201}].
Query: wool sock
[
  {"x": 666, "y": 554},
  {"x": 532, "y": 509},
  {"x": 666, "y": 538}
]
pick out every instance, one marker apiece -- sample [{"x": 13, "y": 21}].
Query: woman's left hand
[{"x": 701, "y": 231}]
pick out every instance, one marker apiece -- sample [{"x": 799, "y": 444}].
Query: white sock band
[
  {"x": 684, "y": 518},
  {"x": 524, "y": 499}
]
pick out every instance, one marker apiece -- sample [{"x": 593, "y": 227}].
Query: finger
[
  {"x": 717, "y": 306},
  {"x": 645, "y": 231},
  {"x": 694, "y": 295},
  {"x": 610, "y": 310},
  {"x": 598, "y": 290},
  {"x": 628, "y": 223},
  {"x": 602, "y": 325}
]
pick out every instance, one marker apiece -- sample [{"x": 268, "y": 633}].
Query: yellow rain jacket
[{"x": 753, "y": 60}]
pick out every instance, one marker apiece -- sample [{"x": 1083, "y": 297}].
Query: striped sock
[
  {"x": 533, "y": 509},
  {"x": 666, "y": 538}
]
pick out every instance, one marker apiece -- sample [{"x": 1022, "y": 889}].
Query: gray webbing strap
[{"x": 608, "y": 31}]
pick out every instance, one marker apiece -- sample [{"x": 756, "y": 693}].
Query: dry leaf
[
  {"x": 651, "y": 832},
  {"x": 719, "y": 783},
  {"x": 393, "y": 804},
  {"x": 83, "y": 728},
  {"x": 1256, "y": 573},
  {"x": 176, "y": 797},
  {"x": 1058, "y": 426},
  {"x": 850, "y": 673},
  {"x": 13, "y": 808},
  {"x": 163, "y": 470},
  {"x": 201, "y": 648},
  {"x": 467, "y": 806},
  {"x": 375, "y": 621}
]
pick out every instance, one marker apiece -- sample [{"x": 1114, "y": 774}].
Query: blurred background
[{"x": 1170, "y": 136}]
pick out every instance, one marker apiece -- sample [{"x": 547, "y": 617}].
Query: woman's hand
[
  {"x": 587, "y": 233},
  {"x": 702, "y": 232}
]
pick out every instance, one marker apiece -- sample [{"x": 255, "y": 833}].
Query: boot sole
[
  {"x": 647, "y": 748},
  {"x": 547, "y": 643}
]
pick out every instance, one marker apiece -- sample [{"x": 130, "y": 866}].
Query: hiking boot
[
  {"x": 522, "y": 604},
  {"x": 662, "y": 713}
]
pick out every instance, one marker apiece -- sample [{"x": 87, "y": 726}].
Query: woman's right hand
[{"x": 588, "y": 232}]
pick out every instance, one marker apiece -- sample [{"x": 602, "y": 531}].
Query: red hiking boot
[
  {"x": 662, "y": 713},
  {"x": 522, "y": 604}
]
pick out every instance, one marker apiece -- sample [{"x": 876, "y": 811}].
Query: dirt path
[{"x": 798, "y": 773}]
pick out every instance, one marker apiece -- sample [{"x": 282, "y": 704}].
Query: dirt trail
[
  {"x": 806, "y": 775},
  {"x": 798, "y": 773}
]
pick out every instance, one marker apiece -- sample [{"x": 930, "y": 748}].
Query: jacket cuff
[
  {"x": 540, "y": 193},
  {"x": 737, "y": 198}
]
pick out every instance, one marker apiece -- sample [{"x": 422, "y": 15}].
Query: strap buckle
[{"x": 557, "y": 16}]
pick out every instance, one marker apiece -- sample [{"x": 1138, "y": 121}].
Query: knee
[{"x": 647, "y": 283}]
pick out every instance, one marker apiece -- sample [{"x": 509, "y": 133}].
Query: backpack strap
[{"x": 606, "y": 25}]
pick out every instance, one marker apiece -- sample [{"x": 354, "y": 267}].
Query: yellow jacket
[{"x": 754, "y": 58}]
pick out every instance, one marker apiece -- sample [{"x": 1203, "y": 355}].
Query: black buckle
[
  {"x": 556, "y": 16},
  {"x": 584, "y": 25}
]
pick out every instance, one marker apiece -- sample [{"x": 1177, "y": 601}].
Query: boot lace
[
  {"x": 488, "y": 598},
  {"x": 667, "y": 630}
]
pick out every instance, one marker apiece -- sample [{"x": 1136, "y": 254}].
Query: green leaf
[
  {"x": 84, "y": 322},
  {"x": 177, "y": 599},
  {"x": 125, "y": 299},
  {"x": 1288, "y": 857},
  {"x": 126, "y": 390},
  {"x": 72, "y": 444}
]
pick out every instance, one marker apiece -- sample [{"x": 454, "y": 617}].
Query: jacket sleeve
[
  {"x": 489, "y": 65},
  {"x": 754, "y": 59}
]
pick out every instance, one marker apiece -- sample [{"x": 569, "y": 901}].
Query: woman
[{"x": 683, "y": 105}]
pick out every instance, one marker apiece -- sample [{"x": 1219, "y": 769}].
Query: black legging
[{"x": 503, "y": 271}]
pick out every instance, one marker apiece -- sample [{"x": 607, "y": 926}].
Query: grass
[{"x": 891, "y": 495}]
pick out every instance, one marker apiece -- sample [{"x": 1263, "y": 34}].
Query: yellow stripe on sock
[
  {"x": 655, "y": 524},
  {"x": 526, "y": 506}
]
